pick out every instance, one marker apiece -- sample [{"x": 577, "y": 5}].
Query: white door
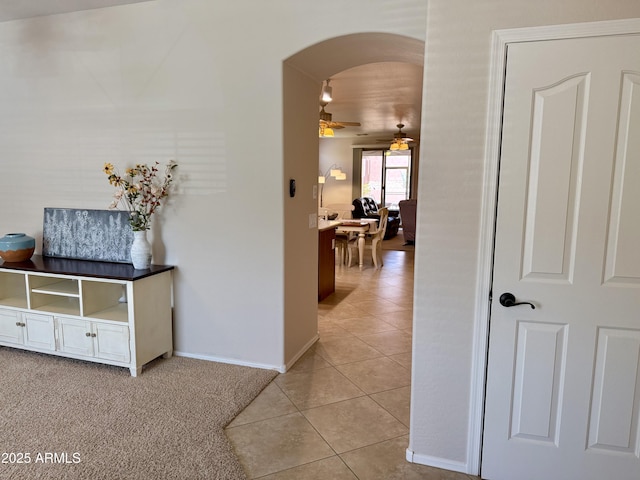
[
  {"x": 563, "y": 383},
  {"x": 39, "y": 331},
  {"x": 111, "y": 342},
  {"x": 11, "y": 330},
  {"x": 74, "y": 336}
]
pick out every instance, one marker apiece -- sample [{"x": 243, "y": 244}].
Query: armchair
[
  {"x": 366, "y": 207},
  {"x": 408, "y": 219}
]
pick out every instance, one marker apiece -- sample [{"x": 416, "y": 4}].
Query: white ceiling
[
  {"x": 378, "y": 95},
  {"x": 15, "y": 9}
]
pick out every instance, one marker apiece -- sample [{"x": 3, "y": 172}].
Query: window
[{"x": 386, "y": 176}]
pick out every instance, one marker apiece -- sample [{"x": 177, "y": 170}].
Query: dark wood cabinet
[{"x": 326, "y": 262}]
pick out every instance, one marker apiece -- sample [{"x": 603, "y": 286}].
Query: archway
[{"x": 303, "y": 74}]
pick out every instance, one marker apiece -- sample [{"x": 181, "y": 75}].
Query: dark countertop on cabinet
[{"x": 87, "y": 268}]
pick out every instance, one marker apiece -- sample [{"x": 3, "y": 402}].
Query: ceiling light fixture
[
  {"x": 325, "y": 131},
  {"x": 326, "y": 94},
  {"x": 400, "y": 139},
  {"x": 399, "y": 144}
]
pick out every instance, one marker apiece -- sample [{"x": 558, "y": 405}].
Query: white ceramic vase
[{"x": 140, "y": 250}]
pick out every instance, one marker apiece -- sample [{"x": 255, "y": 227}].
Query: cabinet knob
[
  {"x": 21, "y": 324},
  {"x": 93, "y": 335},
  {"x": 88, "y": 334}
]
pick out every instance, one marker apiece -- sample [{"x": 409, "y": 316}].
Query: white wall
[
  {"x": 340, "y": 151},
  {"x": 301, "y": 273},
  {"x": 201, "y": 82},
  {"x": 450, "y": 192}
]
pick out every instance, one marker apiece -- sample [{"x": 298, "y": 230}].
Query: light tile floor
[{"x": 342, "y": 411}]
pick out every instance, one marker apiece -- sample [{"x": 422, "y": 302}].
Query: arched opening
[{"x": 303, "y": 74}]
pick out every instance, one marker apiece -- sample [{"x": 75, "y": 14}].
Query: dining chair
[
  {"x": 373, "y": 240},
  {"x": 342, "y": 239}
]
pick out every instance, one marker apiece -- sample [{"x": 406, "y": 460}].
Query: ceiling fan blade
[
  {"x": 339, "y": 124},
  {"x": 389, "y": 140},
  {"x": 349, "y": 124}
]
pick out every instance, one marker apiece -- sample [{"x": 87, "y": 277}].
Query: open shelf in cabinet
[
  {"x": 54, "y": 294},
  {"x": 55, "y": 304},
  {"x": 118, "y": 313},
  {"x": 105, "y": 300},
  {"x": 66, "y": 287},
  {"x": 13, "y": 290}
]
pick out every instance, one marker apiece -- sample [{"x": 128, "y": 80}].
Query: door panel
[
  {"x": 623, "y": 252},
  {"x": 10, "y": 329},
  {"x": 112, "y": 342},
  {"x": 539, "y": 367},
  {"x": 562, "y": 394},
  {"x": 616, "y": 392},
  {"x": 39, "y": 331},
  {"x": 73, "y": 336},
  {"x": 558, "y": 128}
]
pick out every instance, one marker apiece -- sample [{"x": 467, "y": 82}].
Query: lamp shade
[
  {"x": 327, "y": 94},
  {"x": 321, "y": 179},
  {"x": 325, "y": 131},
  {"x": 399, "y": 144}
]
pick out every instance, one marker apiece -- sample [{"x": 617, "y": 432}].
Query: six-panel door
[{"x": 563, "y": 381}]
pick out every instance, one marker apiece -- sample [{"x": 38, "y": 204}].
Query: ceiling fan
[
  {"x": 327, "y": 125},
  {"x": 400, "y": 139}
]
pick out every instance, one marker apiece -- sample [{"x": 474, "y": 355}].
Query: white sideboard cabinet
[{"x": 97, "y": 311}]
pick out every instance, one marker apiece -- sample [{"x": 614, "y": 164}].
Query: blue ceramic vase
[{"x": 16, "y": 247}]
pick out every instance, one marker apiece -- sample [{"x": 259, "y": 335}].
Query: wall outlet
[{"x": 313, "y": 220}]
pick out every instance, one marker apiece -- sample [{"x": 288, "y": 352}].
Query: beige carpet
[{"x": 104, "y": 424}]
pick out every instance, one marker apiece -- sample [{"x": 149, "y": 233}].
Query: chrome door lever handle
[{"x": 509, "y": 300}]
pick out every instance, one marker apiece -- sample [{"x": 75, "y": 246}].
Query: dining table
[{"x": 360, "y": 226}]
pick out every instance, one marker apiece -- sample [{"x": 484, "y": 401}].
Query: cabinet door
[
  {"x": 39, "y": 331},
  {"x": 326, "y": 263},
  {"x": 111, "y": 342},
  {"x": 74, "y": 336},
  {"x": 11, "y": 330}
]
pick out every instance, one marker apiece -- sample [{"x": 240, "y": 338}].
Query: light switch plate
[{"x": 313, "y": 220}]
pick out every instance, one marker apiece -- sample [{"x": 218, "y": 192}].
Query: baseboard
[
  {"x": 231, "y": 361},
  {"x": 302, "y": 351},
  {"x": 436, "y": 462}
]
